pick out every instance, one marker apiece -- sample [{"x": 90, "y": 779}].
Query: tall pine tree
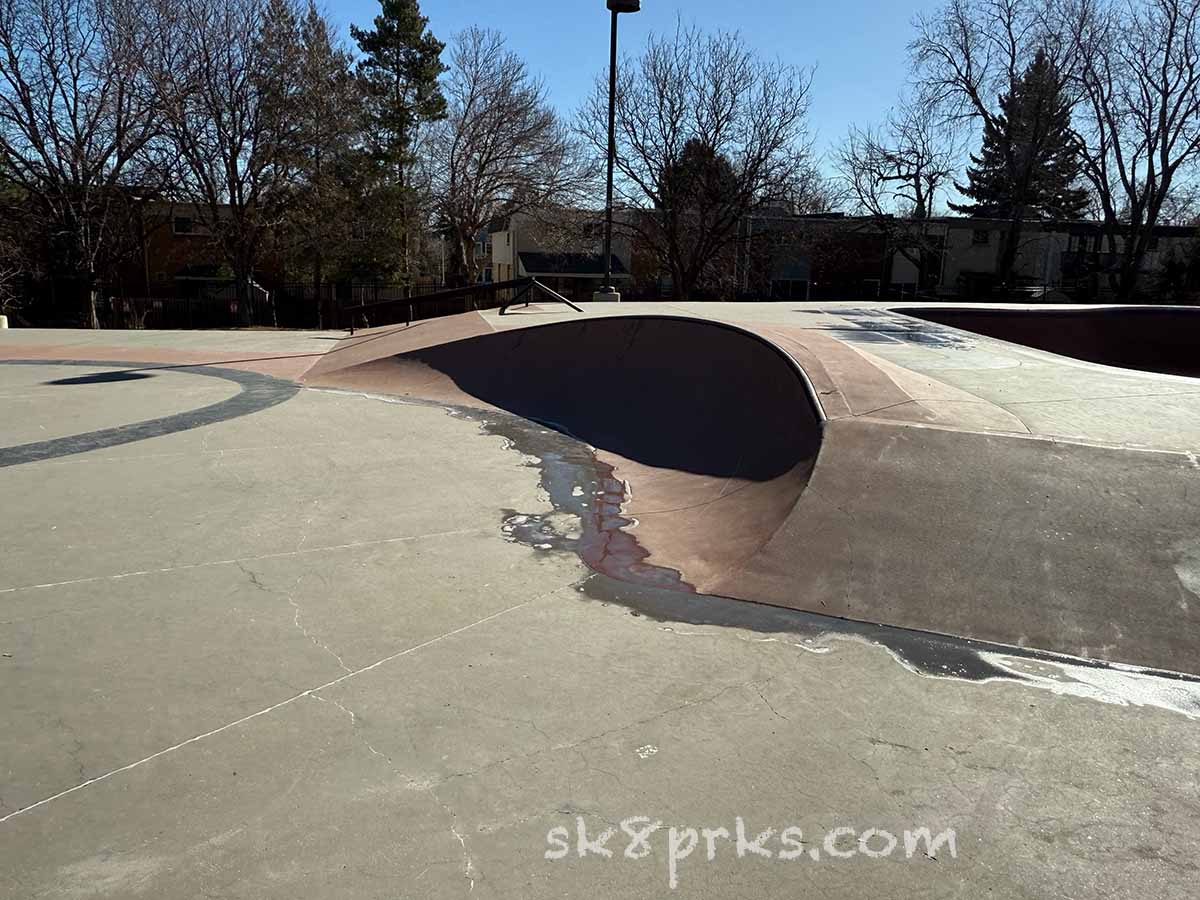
[
  {"x": 1028, "y": 165},
  {"x": 399, "y": 74},
  {"x": 327, "y": 179}
]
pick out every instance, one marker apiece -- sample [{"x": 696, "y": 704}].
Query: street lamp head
[{"x": 625, "y": 6}]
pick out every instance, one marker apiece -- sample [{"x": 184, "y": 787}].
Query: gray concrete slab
[{"x": 295, "y": 654}]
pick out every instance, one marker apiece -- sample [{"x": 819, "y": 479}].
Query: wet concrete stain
[
  {"x": 586, "y": 490},
  {"x": 588, "y": 522}
]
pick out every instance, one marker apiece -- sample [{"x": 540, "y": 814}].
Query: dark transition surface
[
  {"x": 673, "y": 393},
  {"x": 1150, "y": 338}
]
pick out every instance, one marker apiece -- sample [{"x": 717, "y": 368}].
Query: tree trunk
[
  {"x": 1110, "y": 237},
  {"x": 318, "y": 278},
  {"x": 1131, "y": 268},
  {"x": 460, "y": 261},
  {"x": 1008, "y": 257},
  {"x": 241, "y": 280},
  {"x": 406, "y": 237},
  {"x": 680, "y": 288},
  {"x": 90, "y": 311}
]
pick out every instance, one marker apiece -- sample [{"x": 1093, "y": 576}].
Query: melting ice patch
[{"x": 1118, "y": 685}]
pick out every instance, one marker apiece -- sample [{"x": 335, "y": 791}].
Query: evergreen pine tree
[
  {"x": 399, "y": 75},
  {"x": 1027, "y": 166}
]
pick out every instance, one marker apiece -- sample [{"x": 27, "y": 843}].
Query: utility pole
[{"x": 607, "y": 292}]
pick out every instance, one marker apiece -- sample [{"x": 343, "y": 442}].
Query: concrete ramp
[
  {"x": 715, "y": 429},
  {"x": 709, "y": 437}
]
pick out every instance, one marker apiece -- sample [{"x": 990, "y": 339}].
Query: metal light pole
[{"x": 607, "y": 291}]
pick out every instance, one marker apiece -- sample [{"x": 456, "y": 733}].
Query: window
[
  {"x": 981, "y": 236},
  {"x": 183, "y": 225}
]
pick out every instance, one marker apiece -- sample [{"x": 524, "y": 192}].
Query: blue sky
[{"x": 858, "y": 46}]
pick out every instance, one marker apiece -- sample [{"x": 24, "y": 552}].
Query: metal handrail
[
  {"x": 534, "y": 283},
  {"x": 526, "y": 286}
]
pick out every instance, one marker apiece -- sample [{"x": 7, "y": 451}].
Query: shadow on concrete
[
  {"x": 102, "y": 378},
  {"x": 1162, "y": 339}
]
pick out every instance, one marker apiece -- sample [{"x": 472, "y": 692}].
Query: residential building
[
  {"x": 563, "y": 249},
  {"x": 827, "y": 256}
]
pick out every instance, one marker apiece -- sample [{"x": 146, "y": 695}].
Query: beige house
[{"x": 563, "y": 249}]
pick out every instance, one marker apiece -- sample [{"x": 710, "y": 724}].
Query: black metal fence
[
  {"x": 379, "y": 309},
  {"x": 217, "y": 304}
]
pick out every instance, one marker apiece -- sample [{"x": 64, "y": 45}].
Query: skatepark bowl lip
[
  {"x": 713, "y": 430},
  {"x": 384, "y": 331},
  {"x": 471, "y": 363},
  {"x": 1138, "y": 337}
]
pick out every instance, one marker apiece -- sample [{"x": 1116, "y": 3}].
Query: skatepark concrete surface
[{"x": 426, "y": 611}]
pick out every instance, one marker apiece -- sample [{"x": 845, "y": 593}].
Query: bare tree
[
  {"x": 894, "y": 175},
  {"x": 705, "y": 133},
  {"x": 501, "y": 149},
  {"x": 900, "y": 168},
  {"x": 1139, "y": 80},
  {"x": 224, "y": 72},
  {"x": 75, "y": 117},
  {"x": 969, "y": 52},
  {"x": 14, "y": 266}
]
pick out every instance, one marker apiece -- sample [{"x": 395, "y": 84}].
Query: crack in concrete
[
  {"x": 530, "y": 723},
  {"x": 262, "y": 712},
  {"x": 317, "y": 642},
  {"x": 469, "y": 868},
  {"x": 254, "y": 579},
  {"x": 758, "y": 690},
  {"x": 299, "y": 626},
  {"x": 283, "y": 554},
  {"x": 468, "y": 862},
  {"x": 355, "y": 729}
]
